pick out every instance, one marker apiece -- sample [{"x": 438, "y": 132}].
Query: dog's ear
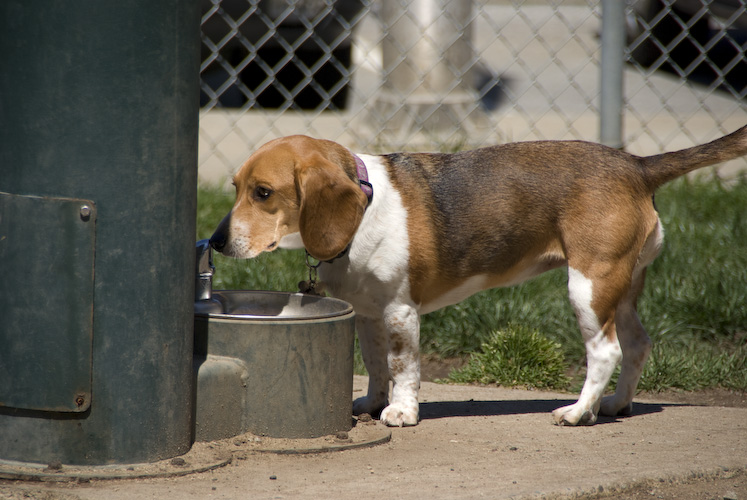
[{"x": 331, "y": 207}]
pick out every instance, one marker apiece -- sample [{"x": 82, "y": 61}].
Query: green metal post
[{"x": 98, "y": 174}]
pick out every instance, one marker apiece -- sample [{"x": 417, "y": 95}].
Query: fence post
[
  {"x": 611, "y": 73},
  {"x": 428, "y": 64}
]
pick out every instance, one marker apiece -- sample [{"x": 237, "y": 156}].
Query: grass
[{"x": 694, "y": 305}]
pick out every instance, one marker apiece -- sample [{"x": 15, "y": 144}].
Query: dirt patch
[
  {"x": 721, "y": 485},
  {"x": 24, "y": 492}
]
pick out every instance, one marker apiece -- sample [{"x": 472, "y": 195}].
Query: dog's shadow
[{"x": 445, "y": 409}]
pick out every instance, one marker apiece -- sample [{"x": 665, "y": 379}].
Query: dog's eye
[{"x": 262, "y": 193}]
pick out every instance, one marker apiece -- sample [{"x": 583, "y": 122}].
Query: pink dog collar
[{"x": 366, "y": 186}]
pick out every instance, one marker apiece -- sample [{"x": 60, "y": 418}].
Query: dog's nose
[{"x": 218, "y": 241}]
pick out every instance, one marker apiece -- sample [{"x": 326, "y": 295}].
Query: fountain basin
[{"x": 275, "y": 364}]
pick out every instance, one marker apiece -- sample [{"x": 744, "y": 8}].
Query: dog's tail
[{"x": 662, "y": 168}]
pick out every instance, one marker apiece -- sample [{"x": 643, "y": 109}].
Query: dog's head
[{"x": 290, "y": 187}]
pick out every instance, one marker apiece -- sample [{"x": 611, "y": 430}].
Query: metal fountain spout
[{"x": 204, "y": 270}]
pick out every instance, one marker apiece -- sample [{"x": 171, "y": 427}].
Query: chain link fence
[{"x": 444, "y": 75}]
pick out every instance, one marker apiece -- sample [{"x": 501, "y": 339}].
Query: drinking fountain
[{"x": 274, "y": 364}]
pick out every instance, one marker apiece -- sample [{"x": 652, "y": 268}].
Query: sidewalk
[{"x": 472, "y": 442}]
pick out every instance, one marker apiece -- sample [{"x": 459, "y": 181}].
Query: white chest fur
[{"x": 374, "y": 272}]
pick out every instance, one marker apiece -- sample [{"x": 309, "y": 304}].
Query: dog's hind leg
[
  {"x": 635, "y": 342},
  {"x": 374, "y": 345},
  {"x": 636, "y": 347},
  {"x": 596, "y": 319}
]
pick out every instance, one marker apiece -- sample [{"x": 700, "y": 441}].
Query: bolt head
[{"x": 85, "y": 213}]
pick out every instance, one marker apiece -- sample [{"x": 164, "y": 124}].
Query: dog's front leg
[
  {"x": 390, "y": 349},
  {"x": 402, "y": 323},
  {"x": 373, "y": 341}
]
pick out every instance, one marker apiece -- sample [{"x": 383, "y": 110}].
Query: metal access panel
[{"x": 46, "y": 302}]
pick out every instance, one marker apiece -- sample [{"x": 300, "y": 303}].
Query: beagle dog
[{"x": 404, "y": 234}]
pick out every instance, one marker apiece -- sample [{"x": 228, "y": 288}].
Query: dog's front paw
[
  {"x": 399, "y": 415},
  {"x": 368, "y": 405},
  {"x": 574, "y": 415}
]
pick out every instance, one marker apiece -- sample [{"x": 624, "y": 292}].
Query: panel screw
[
  {"x": 80, "y": 400},
  {"x": 85, "y": 213}
]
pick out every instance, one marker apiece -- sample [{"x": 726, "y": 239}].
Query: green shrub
[{"x": 516, "y": 356}]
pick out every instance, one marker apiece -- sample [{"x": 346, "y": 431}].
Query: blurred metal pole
[
  {"x": 428, "y": 66},
  {"x": 611, "y": 68}
]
